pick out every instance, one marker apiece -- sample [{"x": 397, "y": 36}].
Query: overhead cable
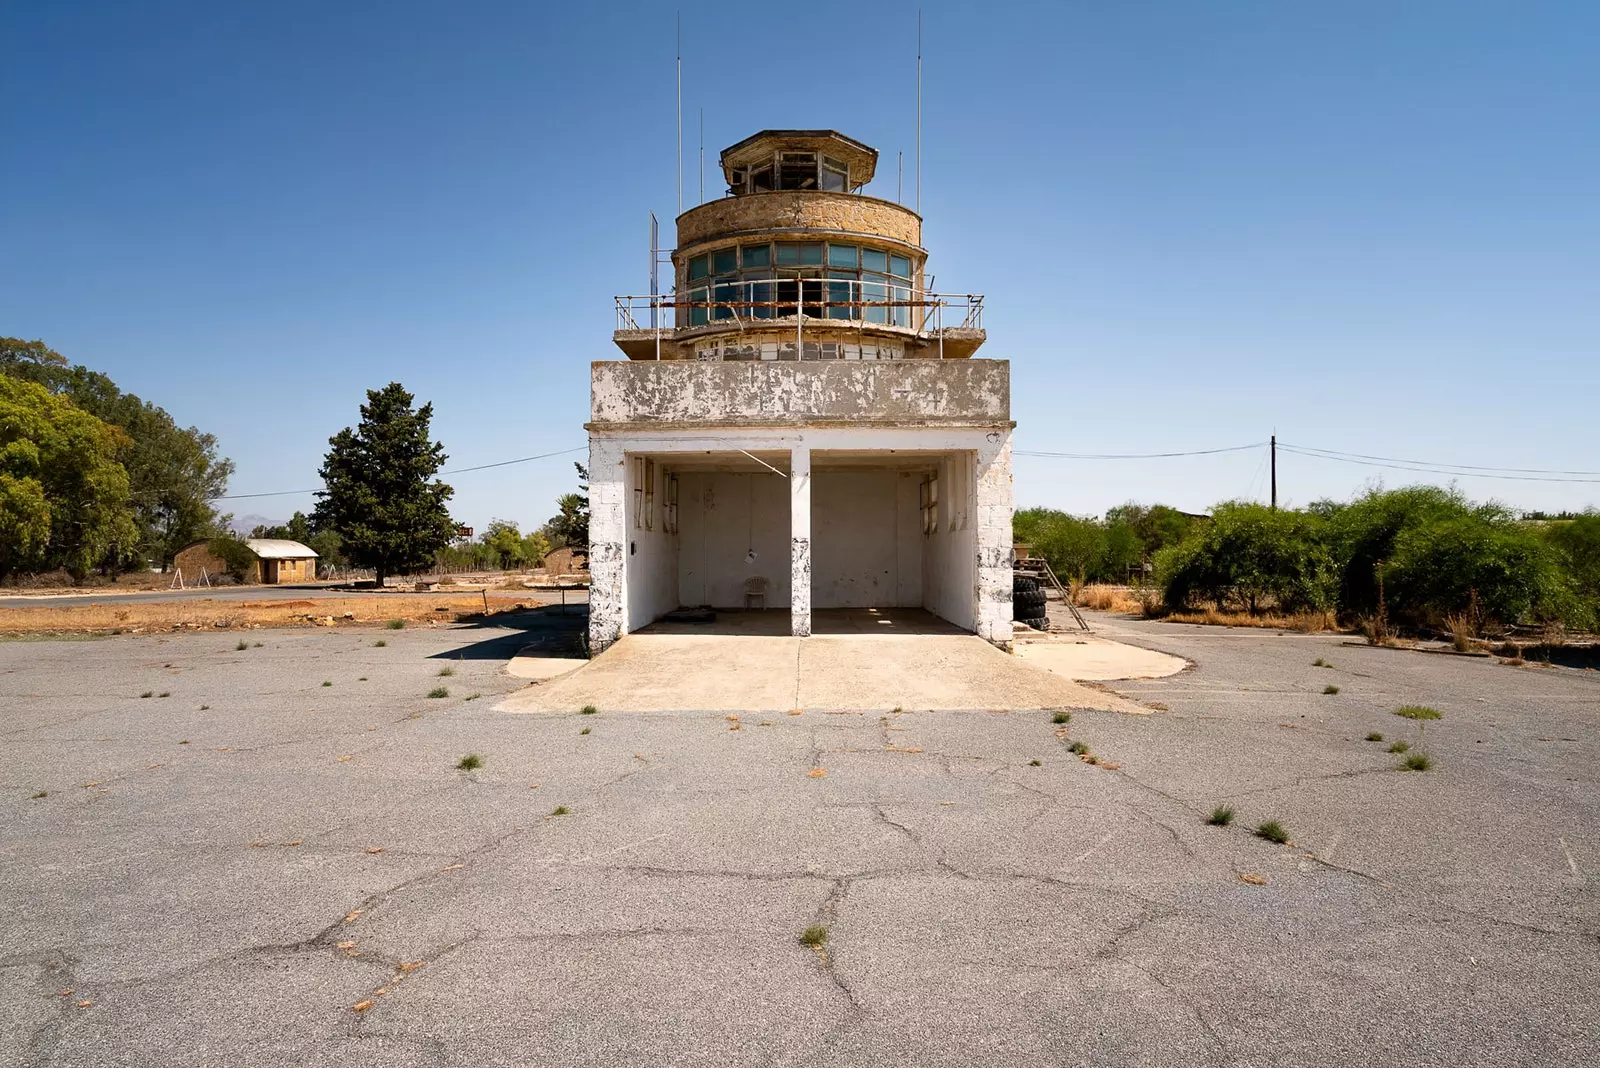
[{"x": 452, "y": 471}]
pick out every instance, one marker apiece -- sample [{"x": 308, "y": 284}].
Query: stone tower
[{"x": 800, "y": 424}]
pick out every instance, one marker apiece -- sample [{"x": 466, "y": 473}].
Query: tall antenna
[
  {"x": 919, "y": 111},
  {"x": 899, "y": 177},
  {"x": 680, "y": 107},
  {"x": 702, "y": 155}
]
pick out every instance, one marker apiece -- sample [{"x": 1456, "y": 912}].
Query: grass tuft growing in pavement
[
  {"x": 1399, "y": 747},
  {"x": 438, "y": 691},
  {"x": 561, "y": 810},
  {"x": 587, "y": 710},
  {"x": 243, "y": 645},
  {"x": 1375, "y": 736},
  {"x": 257, "y": 645},
  {"x": 1035, "y": 763},
  {"x": 1417, "y": 712},
  {"x": 1061, "y": 717},
  {"x": 164, "y": 693},
  {"x": 147, "y": 693},
  {"x": 470, "y": 762},
  {"x": 1330, "y": 689},
  {"x": 446, "y": 672},
  {"x": 379, "y": 644},
  {"x": 1220, "y": 816},
  {"x": 584, "y": 731},
  {"x": 1273, "y": 831},
  {"x": 814, "y": 937},
  {"x": 1416, "y": 762},
  {"x": 41, "y": 793},
  {"x": 325, "y": 682},
  {"x": 1079, "y": 748},
  {"x": 1319, "y": 662},
  {"x": 396, "y": 624}
]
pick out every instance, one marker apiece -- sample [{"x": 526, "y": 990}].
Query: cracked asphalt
[{"x": 249, "y": 867}]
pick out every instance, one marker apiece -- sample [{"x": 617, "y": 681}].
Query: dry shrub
[
  {"x": 1304, "y": 622},
  {"x": 1103, "y": 598},
  {"x": 226, "y": 615},
  {"x": 1462, "y": 631}
]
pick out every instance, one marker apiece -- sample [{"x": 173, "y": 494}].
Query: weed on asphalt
[
  {"x": 325, "y": 682},
  {"x": 147, "y": 693},
  {"x": 1273, "y": 831},
  {"x": 561, "y": 810},
  {"x": 41, "y": 793},
  {"x": 1220, "y": 816},
  {"x": 1080, "y": 748},
  {"x": 584, "y": 731},
  {"x": 257, "y": 645},
  {"x": 438, "y": 691},
  {"x": 396, "y": 624},
  {"x": 1330, "y": 689},
  {"x": 1418, "y": 712},
  {"x": 1061, "y": 717},
  {"x": 379, "y": 644},
  {"x": 164, "y": 693},
  {"x": 446, "y": 672},
  {"x": 1036, "y": 763},
  {"x": 242, "y": 646},
  {"x": 587, "y": 710},
  {"x": 470, "y": 762},
  {"x": 1375, "y": 736},
  {"x": 1399, "y": 747},
  {"x": 814, "y": 937},
  {"x": 1416, "y": 762}
]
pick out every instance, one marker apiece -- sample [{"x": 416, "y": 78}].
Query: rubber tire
[
  {"x": 1037, "y": 623},
  {"x": 1029, "y": 599},
  {"x": 1023, "y": 584}
]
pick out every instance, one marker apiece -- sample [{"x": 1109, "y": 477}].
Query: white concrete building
[{"x": 800, "y": 425}]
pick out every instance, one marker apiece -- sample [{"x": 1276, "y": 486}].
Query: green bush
[
  {"x": 1362, "y": 535},
  {"x": 1250, "y": 556},
  {"x": 1576, "y": 543},
  {"x": 234, "y": 554},
  {"x": 1484, "y": 563}
]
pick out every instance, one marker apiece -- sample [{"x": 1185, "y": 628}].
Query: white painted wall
[
  {"x": 950, "y": 556},
  {"x": 866, "y": 540},
  {"x": 651, "y": 563},
  {"x": 722, "y": 517}
]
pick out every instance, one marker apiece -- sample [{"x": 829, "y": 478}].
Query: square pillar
[
  {"x": 608, "y": 534},
  {"x": 800, "y": 541}
]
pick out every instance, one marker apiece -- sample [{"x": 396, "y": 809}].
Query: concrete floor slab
[
  {"x": 1087, "y": 657},
  {"x": 679, "y": 672}
]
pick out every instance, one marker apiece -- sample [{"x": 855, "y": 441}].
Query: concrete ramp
[{"x": 737, "y": 673}]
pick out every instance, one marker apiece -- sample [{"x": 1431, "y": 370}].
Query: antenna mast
[
  {"x": 680, "y": 111},
  {"x": 702, "y": 155},
  {"x": 919, "y": 111}
]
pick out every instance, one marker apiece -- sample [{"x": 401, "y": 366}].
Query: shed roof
[{"x": 279, "y": 549}]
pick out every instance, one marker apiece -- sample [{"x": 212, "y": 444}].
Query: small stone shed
[
  {"x": 274, "y": 561},
  {"x": 567, "y": 560}
]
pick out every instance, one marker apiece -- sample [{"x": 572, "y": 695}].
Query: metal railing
[{"x": 822, "y": 301}]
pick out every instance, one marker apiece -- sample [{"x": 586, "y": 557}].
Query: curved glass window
[{"x": 824, "y": 279}]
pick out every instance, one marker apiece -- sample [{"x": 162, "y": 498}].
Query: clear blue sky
[{"x": 1374, "y": 227}]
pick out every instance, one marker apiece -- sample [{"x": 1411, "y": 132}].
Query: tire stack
[{"x": 1027, "y": 602}]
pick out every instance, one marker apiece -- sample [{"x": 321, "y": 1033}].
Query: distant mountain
[{"x": 242, "y": 525}]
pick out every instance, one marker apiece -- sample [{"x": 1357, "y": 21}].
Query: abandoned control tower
[{"x": 800, "y": 424}]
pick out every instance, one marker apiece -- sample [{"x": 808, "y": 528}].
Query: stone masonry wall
[{"x": 797, "y": 210}]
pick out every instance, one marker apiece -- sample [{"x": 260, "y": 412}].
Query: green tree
[
  {"x": 1363, "y": 534},
  {"x": 380, "y": 496},
  {"x": 325, "y": 543},
  {"x": 1249, "y": 555},
  {"x": 63, "y": 495},
  {"x": 504, "y": 542},
  {"x": 1484, "y": 559},
  {"x": 535, "y": 547},
  {"x": 174, "y": 472},
  {"x": 1073, "y": 545},
  {"x": 571, "y": 525},
  {"x": 1577, "y": 540}
]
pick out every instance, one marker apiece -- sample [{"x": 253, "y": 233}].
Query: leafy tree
[
  {"x": 571, "y": 525},
  {"x": 1577, "y": 540},
  {"x": 1156, "y": 526},
  {"x": 381, "y": 498},
  {"x": 63, "y": 495},
  {"x": 174, "y": 473},
  {"x": 1072, "y": 544},
  {"x": 1363, "y": 534},
  {"x": 1249, "y": 555},
  {"x": 1441, "y": 568},
  {"x": 504, "y": 541}
]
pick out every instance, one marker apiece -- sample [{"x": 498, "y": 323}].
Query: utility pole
[{"x": 1274, "y": 472}]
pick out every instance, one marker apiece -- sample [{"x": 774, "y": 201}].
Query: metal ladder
[{"x": 1066, "y": 597}]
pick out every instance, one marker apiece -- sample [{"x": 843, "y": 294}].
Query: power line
[
  {"x": 1430, "y": 470},
  {"x": 1139, "y": 455},
  {"x": 1430, "y": 463},
  {"x": 453, "y": 471}
]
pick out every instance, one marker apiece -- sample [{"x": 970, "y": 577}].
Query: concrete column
[
  {"x": 992, "y": 509},
  {"x": 800, "y": 541},
  {"x": 608, "y": 542}
]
